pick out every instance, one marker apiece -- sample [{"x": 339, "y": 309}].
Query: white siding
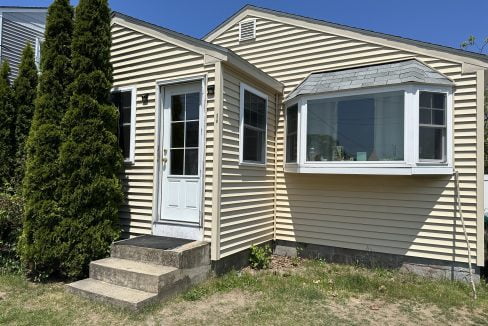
[{"x": 412, "y": 215}]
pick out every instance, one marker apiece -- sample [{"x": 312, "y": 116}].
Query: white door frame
[{"x": 191, "y": 231}]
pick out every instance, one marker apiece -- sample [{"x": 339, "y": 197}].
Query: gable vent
[{"x": 247, "y": 30}]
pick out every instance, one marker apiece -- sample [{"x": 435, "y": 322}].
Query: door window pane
[
  {"x": 192, "y": 134},
  {"x": 178, "y": 108},
  {"x": 356, "y": 128},
  {"x": 177, "y": 134},
  {"x": 192, "y": 106},
  {"x": 191, "y": 162},
  {"x": 176, "y": 162}
]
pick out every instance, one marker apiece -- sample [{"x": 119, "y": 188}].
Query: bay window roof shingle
[{"x": 408, "y": 71}]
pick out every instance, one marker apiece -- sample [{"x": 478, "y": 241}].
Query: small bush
[
  {"x": 260, "y": 257},
  {"x": 11, "y": 212}
]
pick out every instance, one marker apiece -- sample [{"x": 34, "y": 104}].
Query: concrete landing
[{"x": 136, "y": 275}]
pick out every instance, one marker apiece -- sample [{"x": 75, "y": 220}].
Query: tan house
[{"x": 339, "y": 141}]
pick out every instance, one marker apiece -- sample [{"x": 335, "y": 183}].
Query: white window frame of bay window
[
  {"x": 245, "y": 87},
  {"x": 133, "y": 103},
  {"x": 410, "y": 164}
]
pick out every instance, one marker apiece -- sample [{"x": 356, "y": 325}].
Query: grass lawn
[{"x": 292, "y": 292}]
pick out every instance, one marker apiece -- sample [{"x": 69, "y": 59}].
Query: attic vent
[{"x": 247, "y": 30}]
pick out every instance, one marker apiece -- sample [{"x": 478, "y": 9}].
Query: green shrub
[
  {"x": 7, "y": 126},
  {"x": 11, "y": 213},
  {"x": 25, "y": 91},
  {"x": 90, "y": 158},
  {"x": 39, "y": 245},
  {"x": 260, "y": 257}
]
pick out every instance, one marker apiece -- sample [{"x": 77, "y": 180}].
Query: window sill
[{"x": 376, "y": 169}]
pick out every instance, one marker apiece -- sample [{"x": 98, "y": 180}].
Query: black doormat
[{"x": 155, "y": 242}]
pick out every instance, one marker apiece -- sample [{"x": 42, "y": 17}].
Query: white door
[{"x": 181, "y": 175}]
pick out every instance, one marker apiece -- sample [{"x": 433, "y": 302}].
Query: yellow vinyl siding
[
  {"x": 247, "y": 192},
  {"x": 140, "y": 60},
  {"x": 406, "y": 215}
]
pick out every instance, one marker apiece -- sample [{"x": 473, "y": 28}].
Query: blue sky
[{"x": 445, "y": 22}]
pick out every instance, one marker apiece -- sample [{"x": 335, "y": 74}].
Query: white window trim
[
  {"x": 408, "y": 166},
  {"x": 132, "y": 147},
  {"x": 253, "y": 20},
  {"x": 245, "y": 87}
]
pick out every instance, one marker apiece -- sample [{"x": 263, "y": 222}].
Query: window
[
  {"x": 253, "y": 125},
  {"x": 356, "y": 128},
  {"x": 389, "y": 130},
  {"x": 432, "y": 126},
  {"x": 124, "y": 99},
  {"x": 291, "y": 133}
]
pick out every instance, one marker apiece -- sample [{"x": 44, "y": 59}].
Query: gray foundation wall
[{"x": 422, "y": 266}]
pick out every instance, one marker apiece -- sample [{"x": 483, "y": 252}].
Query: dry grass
[{"x": 291, "y": 292}]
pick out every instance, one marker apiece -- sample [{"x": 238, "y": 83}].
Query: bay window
[{"x": 401, "y": 129}]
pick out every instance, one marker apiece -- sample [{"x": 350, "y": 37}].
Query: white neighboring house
[{"x": 19, "y": 26}]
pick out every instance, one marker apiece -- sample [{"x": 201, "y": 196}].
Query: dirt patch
[
  {"x": 211, "y": 310},
  {"x": 3, "y": 296},
  {"x": 375, "y": 312},
  {"x": 281, "y": 265}
]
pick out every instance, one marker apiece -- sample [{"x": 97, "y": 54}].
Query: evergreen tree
[
  {"x": 7, "y": 126},
  {"x": 40, "y": 244},
  {"x": 24, "y": 89},
  {"x": 90, "y": 157}
]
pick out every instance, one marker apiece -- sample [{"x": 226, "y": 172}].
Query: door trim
[{"x": 197, "y": 233}]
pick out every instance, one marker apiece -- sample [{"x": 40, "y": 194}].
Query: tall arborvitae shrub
[
  {"x": 7, "y": 127},
  {"x": 90, "y": 157},
  {"x": 25, "y": 90},
  {"x": 40, "y": 246}
]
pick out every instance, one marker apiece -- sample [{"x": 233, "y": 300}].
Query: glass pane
[
  {"x": 192, "y": 134},
  {"x": 192, "y": 106},
  {"x": 191, "y": 162},
  {"x": 125, "y": 99},
  {"x": 438, "y": 117},
  {"x": 291, "y": 148},
  {"x": 356, "y": 128},
  {"x": 291, "y": 129},
  {"x": 177, "y": 134},
  {"x": 254, "y": 110},
  {"x": 438, "y": 100},
  {"x": 176, "y": 161},
  {"x": 177, "y": 107},
  {"x": 125, "y": 114},
  {"x": 124, "y": 141},
  {"x": 425, "y": 100},
  {"x": 253, "y": 145},
  {"x": 431, "y": 143},
  {"x": 425, "y": 116}
]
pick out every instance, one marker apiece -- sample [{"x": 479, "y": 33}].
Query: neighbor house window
[
  {"x": 291, "y": 133},
  {"x": 124, "y": 100},
  {"x": 432, "y": 126},
  {"x": 253, "y": 125},
  {"x": 356, "y": 128}
]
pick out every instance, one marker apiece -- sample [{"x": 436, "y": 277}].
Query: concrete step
[
  {"x": 133, "y": 274},
  {"x": 113, "y": 294},
  {"x": 190, "y": 255}
]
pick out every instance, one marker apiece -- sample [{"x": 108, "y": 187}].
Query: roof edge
[{"x": 432, "y": 46}]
